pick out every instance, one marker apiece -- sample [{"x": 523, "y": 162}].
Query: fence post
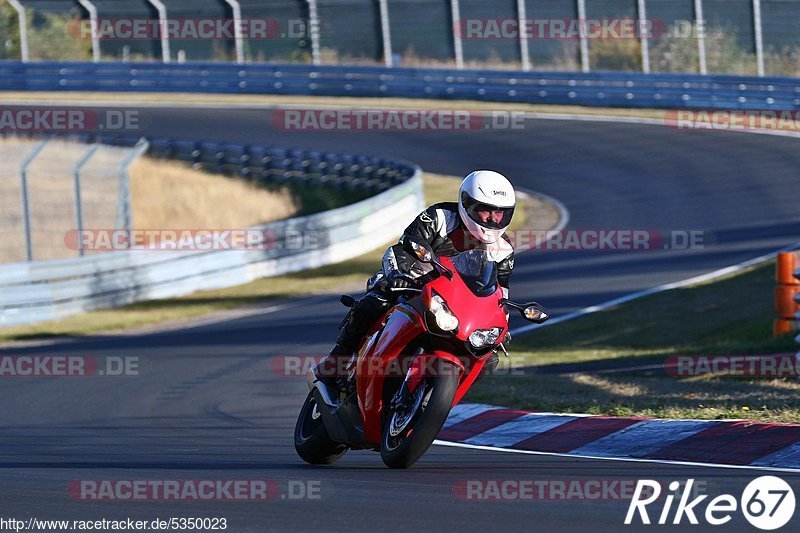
[
  {"x": 124, "y": 204},
  {"x": 23, "y": 29},
  {"x": 26, "y": 211},
  {"x": 644, "y": 38},
  {"x": 92, "y": 10},
  {"x": 386, "y": 34},
  {"x": 237, "y": 29},
  {"x": 584, "y": 41},
  {"x": 162, "y": 24},
  {"x": 700, "y": 28},
  {"x": 455, "y": 14},
  {"x": 524, "y": 52},
  {"x": 76, "y": 176},
  {"x": 757, "y": 31},
  {"x": 313, "y": 26}
]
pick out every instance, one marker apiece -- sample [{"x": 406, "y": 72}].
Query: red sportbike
[{"x": 415, "y": 364}]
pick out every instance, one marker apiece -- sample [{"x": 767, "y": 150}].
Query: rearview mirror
[
  {"x": 535, "y": 313},
  {"x": 532, "y": 311}
]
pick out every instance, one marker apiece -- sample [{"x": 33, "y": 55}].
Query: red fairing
[
  {"x": 472, "y": 312},
  {"x": 402, "y": 325},
  {"x": 469, "y": 379}
]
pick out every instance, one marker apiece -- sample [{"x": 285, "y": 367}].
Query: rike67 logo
[{"x": 767, "y": 503}]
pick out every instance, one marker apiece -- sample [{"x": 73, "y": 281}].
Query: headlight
[
  {"x": 445, "y": 319},
  {"x": 480, "y": 338}
]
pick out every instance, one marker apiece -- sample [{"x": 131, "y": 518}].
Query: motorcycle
[{"x": 415, "y": 363}]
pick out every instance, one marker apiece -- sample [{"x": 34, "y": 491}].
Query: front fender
[{"x": 424, "y": 365}]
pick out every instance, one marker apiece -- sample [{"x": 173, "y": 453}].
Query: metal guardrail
[
  {"x": 672, "y": 91},
  {"x": 37, "y": 291}
]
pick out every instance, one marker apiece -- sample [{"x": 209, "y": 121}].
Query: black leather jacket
[{"x": 440, "y": 226}]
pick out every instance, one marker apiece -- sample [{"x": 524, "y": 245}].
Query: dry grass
[
  {"x": 170, "y": 194},
  {"x": 164, "y": 194}
]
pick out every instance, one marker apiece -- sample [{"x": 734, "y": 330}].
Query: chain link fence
[
  {"x": 706, "y": 36},
  {"x": 49, "y": 188}
]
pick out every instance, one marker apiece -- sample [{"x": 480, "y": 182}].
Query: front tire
[
  {"x": 311, "y": 440},
  {"x": 403, "y": 443}
]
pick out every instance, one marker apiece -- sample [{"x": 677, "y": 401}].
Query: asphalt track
[{"x": 208, "y": 404}]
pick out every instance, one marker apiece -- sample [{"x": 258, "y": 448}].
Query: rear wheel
[
  {"x": 411, "y": 426},
  {"x": 311, "y": 439}
]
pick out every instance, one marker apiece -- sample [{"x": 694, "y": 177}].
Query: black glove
[{"x": 398, "y": 281}]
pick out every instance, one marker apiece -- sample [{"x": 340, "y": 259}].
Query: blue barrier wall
[{"x": 615, "y": 89}]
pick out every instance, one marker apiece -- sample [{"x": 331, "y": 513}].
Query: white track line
[{"x": 623, "y": 459}]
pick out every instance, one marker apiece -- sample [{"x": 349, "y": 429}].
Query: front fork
[{"x": 423, "y": 364}]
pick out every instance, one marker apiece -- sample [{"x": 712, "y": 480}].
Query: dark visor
[{"x": 472, "y": 207}]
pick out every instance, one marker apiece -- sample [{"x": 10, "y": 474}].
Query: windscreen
[{"x": 477, "y": 270}]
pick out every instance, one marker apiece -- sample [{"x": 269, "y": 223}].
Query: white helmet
[{"x": 486, "y": 190}]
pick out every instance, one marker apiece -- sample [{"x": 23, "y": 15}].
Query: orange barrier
[
  {"x": 785, "y": 305},
  {"x": 782, "y": 327},
  {"x": 787, "y": 264},
  {"x": 787, "y": 294}
]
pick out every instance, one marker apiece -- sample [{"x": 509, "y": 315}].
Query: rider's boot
[{"x": 332, "y": 370}]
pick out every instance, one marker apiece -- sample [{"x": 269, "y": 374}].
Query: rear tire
[
  {"x": 404, "y": 449},
  {"x": 311, "y": 440}
]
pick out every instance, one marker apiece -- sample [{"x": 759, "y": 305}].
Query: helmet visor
[{"x": 486, "y": 215}]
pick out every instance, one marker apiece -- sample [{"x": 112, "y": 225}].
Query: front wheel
[
  {"x": 311, "y": 439},
  {"x": 410, "y": 428}
]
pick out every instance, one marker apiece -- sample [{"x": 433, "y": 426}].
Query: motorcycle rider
[{"x": 478, "y": 220}]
